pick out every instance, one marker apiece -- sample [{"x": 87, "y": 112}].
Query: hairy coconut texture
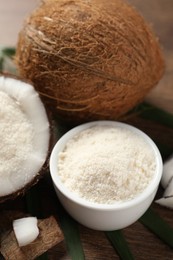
[
  {"x": 90, "y": 59},
  {"x": 17, "y": 182}
]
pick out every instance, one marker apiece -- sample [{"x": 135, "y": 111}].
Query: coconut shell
[{"x": 90, "y": 60}]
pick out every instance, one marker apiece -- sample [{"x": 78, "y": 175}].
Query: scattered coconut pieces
[
  {"x": 50, "y": 234},
  {"x": 26, "y": 230},
  {"x": 167, "y": 172},
  {"x": 166, "y": 202},
  {"x": 167, "y": 184}
]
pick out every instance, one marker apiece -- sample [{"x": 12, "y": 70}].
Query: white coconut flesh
[
  {"x": 25, "y": 230},
  {"x": 24, "y": 135},
  {"x": 167, "y": 184}
]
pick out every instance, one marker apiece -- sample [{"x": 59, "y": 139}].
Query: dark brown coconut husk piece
[
  {"x": 44, "y": 168},
  {"x": 50, "y": 235},
  {"x": 91, "y": 59}
]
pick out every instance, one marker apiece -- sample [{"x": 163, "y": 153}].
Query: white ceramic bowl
[{"x": 101, "y": 216}]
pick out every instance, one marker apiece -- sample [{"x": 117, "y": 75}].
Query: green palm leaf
[
  {"x": 120, "y": 244},
  {"x": 6, "y": 59},
  {"x": 155, "y": 114},
  {"x": 158, "y": 226}
]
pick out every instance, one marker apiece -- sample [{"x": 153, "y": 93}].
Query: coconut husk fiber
[{"x": 90, "y": 59}]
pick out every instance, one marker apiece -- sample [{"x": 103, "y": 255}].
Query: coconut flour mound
[
  {"x": 106, "y": 165},
  {"x": 16, "y": 135}
]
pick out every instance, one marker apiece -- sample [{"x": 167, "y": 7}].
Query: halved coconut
[{"x": 24, "y": 136}]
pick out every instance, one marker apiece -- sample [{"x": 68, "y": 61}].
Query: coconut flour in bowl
[{"x": 106, "y": 164}]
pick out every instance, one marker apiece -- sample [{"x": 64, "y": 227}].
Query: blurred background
[{"x": 12, "y": 14}]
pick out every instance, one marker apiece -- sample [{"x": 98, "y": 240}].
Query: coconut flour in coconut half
[{"x": 24, "y": 135}]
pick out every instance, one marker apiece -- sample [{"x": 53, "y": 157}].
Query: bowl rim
[{"x": 60, "y": 144}]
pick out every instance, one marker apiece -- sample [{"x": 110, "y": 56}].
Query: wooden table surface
[{"x": 144, "y": 244}]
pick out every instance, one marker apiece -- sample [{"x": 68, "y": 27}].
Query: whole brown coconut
[{"x": 90, "y": 59}]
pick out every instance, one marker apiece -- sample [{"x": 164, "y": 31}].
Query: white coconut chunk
[
  {"x": 169, "y": 189},
  {"x": 24, "y": 135},
  {"x": 26, "y": 230},
  {"x": 166, "y": 202},
  {"x": 167, "y": 172}
]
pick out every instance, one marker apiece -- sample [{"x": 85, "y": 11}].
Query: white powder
[
  {"x": 16, "y": 137},
  {"x": 106, "y": 165}
]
